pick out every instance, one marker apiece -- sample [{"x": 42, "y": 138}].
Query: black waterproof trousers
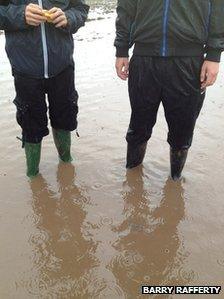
[
  {"x": 174, "y": 81},
  {"x": 32, "y": 107}
]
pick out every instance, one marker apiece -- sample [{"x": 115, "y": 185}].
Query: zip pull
[
  {"x": 77, "y": 133},
  {"x": 21, "y": 139}
]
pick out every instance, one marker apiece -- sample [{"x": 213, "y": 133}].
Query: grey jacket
[
  {"x": 43, "y": 51},
  {"x": 170, "y": 28}
]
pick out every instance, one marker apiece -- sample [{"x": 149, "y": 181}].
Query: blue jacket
[{"x": 43, "y": 51}]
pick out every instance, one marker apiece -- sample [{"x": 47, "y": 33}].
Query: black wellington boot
[
  {"x": 135, "y": 155},
  {"x": 177, "y": 162}
]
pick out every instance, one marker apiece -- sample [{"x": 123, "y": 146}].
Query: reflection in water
[
  {"x": 61, "y": 256},
  {"x": 148, "y": 248},
  {"x": 73, "y": 247},
  {"x": 106, "y": 5},
  {"x": 151, "y": 251},
  {"x": 100, "y": 9}
]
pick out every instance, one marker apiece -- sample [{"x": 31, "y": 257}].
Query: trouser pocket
[
  {"x": 31, "y": 108},
  {"x": 63, "y": 101}
]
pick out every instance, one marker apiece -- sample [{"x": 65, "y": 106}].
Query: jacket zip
[
  {"x": 131, "y": 34},
  {"x": 44, "y": 45},
  {"x": 209, "y": 16},
  {"x": 165, "y": 25}
]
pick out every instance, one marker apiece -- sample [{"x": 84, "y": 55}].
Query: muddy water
[{"x": 91, "y": 230}]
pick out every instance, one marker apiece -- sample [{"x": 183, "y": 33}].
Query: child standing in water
[{"x": 39, "y": 45}]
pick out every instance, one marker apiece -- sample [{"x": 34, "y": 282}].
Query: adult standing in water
[
  {"x": 177, "y": 49},
  {"x": 39, "y": 45}
]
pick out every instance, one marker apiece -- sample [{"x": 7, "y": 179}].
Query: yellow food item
[{"x": 47, "y": 15}]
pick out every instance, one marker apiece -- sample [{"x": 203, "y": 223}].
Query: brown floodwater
[{"x": 91, "y": 229}]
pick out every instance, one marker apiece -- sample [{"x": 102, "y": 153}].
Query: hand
[
  {"x": 58, "y": 17},
  {"x": 122, "y": 67},
  {"x": 34, "y": 15},
  {"x": 209, "y": 73}
]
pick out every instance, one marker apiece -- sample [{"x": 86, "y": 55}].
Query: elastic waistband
[{"x": 141, "y": 49}]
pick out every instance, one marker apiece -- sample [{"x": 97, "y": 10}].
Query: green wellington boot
[
  {"x": 177, "y": 161},
  {"x": 32, "y": 151},
  {"x": 62, "y": 140}
]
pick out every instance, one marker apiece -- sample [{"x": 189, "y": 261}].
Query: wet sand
[{"x": 91, "y": 230}]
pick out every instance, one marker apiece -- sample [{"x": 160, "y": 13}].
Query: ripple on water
[
  {"x": 89, "y": 285},
  {"x": 46, "y": 287},
  {"x": 81, "y": 201},
  {"x": 38, "y": 285},
  {"x": 137, "y": 258},
  {"x": 105, "y": 221},
  {"x": 54, "y": 263},
  {"x": 40, "y": 259},
  {"x": 147, "y": 278},
  {"x": 97, "y": 186},
  {"x": 80, "y": 286},
  {"x": 127, "y": 259},
  {"x": 31, "y": 219},
  {"x": 65, "y": 236},
  {"x": 137, "y": 227},
  {"x": 112, "y": 291},
  {"x": 187, "y": 275},
  {"x": 62, "y": 287},
  {"x": 39, "y": 238},
  {"x": 130, "y": 274},
  {"x": 156, "y": 193},
  {"x": 220, "y": 262}
]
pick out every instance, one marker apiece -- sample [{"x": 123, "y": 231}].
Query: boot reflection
[
  {"x": 149, "y": 244},
  {"x": 61, "y": 254}
]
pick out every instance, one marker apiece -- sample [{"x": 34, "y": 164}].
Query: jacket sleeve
[
  {"x": 76, "y": 15},
  {"x": 215, "y": 43},
  {"x": 126, "y": 12},
  {"x": 12, "y": 17}
]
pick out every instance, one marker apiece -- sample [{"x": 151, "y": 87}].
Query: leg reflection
[
  {"x": 61, "y": 254},
  {"x": 151, "y": 250}
]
